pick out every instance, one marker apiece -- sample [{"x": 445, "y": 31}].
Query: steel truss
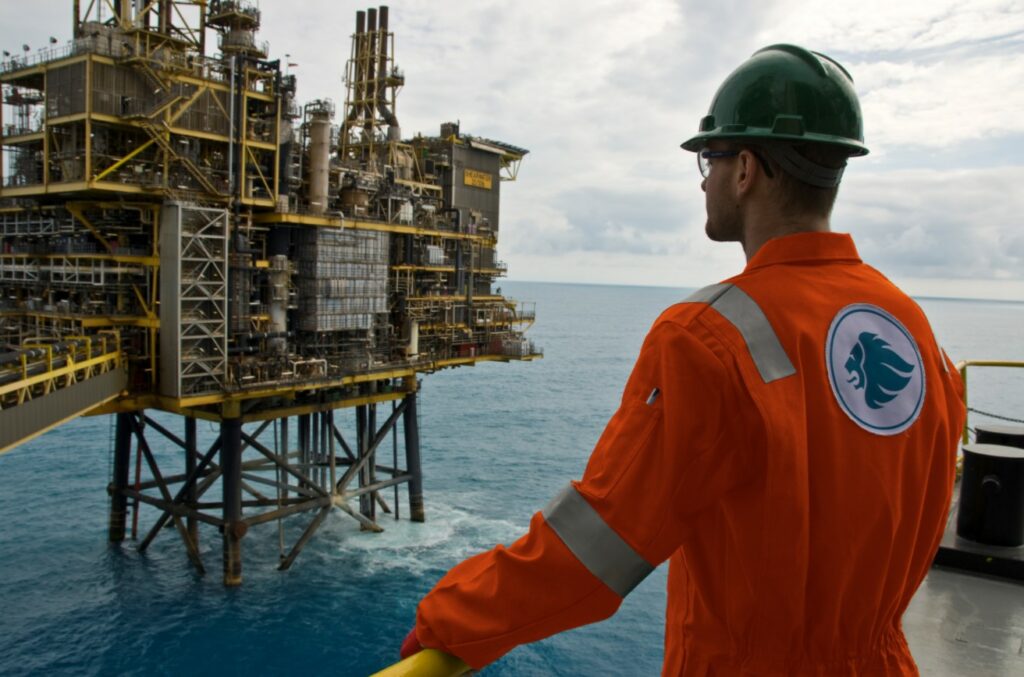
[{"x": 265, "y": 480}]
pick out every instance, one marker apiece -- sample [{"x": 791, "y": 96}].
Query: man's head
[{"x": 777, "y": 136}]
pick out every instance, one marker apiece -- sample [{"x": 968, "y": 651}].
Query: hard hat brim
[{"x": 754, "y": 135}]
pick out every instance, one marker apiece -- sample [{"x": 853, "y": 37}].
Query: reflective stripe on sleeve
[
  {"x": 594, "y": 543},
  {"x": 738, "y": 308}
]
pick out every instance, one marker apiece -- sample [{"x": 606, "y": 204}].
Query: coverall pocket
[{"x": 630, "y": 433}]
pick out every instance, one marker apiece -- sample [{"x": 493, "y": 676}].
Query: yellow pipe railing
[
  {"x": 109, "y": 360},
  {"x": 962, "y": 368},
  {"x": 426, "y": 663}
]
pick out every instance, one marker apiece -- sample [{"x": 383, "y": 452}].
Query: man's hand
[{"x": 410, "y": 645}]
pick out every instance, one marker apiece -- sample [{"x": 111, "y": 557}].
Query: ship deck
[{"x": 965, "y": 624}]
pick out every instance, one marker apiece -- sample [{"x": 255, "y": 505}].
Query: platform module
[{"x": 178, "y": 229}]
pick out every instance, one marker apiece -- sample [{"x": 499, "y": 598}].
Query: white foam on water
[{"x": 449, "y": 535}]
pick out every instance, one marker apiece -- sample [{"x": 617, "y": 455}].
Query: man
[{"x": 787, "y": 438}]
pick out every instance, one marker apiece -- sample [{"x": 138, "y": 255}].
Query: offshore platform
[{"x": 178, "y": 234}]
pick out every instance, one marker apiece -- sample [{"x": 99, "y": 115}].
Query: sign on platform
[{"x": 471, "y": 177}]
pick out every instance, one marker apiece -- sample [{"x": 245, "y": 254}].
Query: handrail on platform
[
  {"x": 52, "y": 366},
  {"x": 962, "y": 368},
  {"x": 426, "y": 663}
]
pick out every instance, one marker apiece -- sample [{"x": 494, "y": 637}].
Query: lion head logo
[{"x": 876, "y": 368}]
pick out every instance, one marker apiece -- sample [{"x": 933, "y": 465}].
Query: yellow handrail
[
  {"x": 962, "y": 368},
  {"x": 426, "y": 663},
  {"x": 111, "y": 359}
]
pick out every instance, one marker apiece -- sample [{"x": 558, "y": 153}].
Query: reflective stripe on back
[
  {"x": 742, "y": 312},
  {"x": 594, "y": 543}
]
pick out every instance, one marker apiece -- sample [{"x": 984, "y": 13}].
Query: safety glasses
[{"x": 705, "y": 157}]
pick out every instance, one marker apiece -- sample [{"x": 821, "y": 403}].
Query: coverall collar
[{"x": 805, "y": 248}]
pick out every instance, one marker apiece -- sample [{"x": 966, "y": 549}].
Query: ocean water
[{"x": 497, "y": 440}]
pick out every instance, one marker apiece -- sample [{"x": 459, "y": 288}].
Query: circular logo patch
[{"x": 875, "y": 369}]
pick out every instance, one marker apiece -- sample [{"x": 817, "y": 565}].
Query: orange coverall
[{"x": 796, "y": 535}]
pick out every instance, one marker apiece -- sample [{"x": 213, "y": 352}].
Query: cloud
[
  {"x": 931, "y": 74},
  {"x": 937, "y": 224},
  {"x": 605, "y": 219},
  {"x": 913, "y": 27},
  {"x": 603, "y": 92},
  {"x": 941, "y": 104}
]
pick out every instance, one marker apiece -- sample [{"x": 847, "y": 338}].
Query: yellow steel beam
[
  {"x": 290, "y": 389},
  {"x": 154, "y": 115},
  {"x": 188, "y": 103},
  {"x": 88, "y": 122},
  {"x": 196, "y": 134},
  {"x": 99, "y": 322},
  {"x": 91, "y": 321},
  {"x": 46, "y": 134},
  {"x": 260, "y": 96},
  {"x": 325, "y": 406},
  {"x": 217, "y": 102},
  {"x": 117, "y": 165},
  {"x": 12, "y": 76},
  {"x": 426, "y": 269},
  {"x": 15, "y": 139},
  {"x": 231, "y": 403},
  {"x": 129, "y": 404},
  {"x": 76, "y": 212},
  {"x": 428, "y": 326},
  {"x": 125, "y": 405},
  {"x": 380, "y": 375},
  {"x": 259, "y": 171},
  {"x": 103, "y": 117},
  {"x": 258, "y": 202},
  {"x": 143, "y": 302},
  {"x": 199, "y": 82},
  {"x": 193, "y": 36},
  {"x": 380, "y": 226},
  {"x": 277, "y": 149},
  {"x": 262, "y": 145},
  {"x": 112, "y": 187},
  {"x": 458, "y": 297},
  {"x": 120, "y": 258}
]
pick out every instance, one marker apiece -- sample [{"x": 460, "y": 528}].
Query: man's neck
[{"x": 768, "y": 229}]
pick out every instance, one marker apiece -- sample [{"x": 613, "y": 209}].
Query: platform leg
[
  {"x": 231, "y": 479},
  {"x": 191, "y": 454},
  {"x": 412, "y": 459},
  {"x": 119, "y": 481},
  {"x": 363, "y": 435},
  {"x": 304, "y": 425}
]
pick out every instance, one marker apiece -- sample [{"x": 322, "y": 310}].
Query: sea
[{"x": 498, "y": 440}]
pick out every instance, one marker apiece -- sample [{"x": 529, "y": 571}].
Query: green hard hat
[{"x": 787, "y": 94}]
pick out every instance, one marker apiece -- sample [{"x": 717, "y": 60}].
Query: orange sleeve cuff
[{"x": 493, "y": 602}]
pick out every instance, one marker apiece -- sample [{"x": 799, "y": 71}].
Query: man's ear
[{"x": 746, "y": 172}]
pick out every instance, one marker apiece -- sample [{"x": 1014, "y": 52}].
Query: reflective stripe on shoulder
[
  {"x": 594, "y": 543},
  {"x": 742, "y": 312}
]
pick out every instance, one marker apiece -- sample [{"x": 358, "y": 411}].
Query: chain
[{"x": 990, "y": 415}]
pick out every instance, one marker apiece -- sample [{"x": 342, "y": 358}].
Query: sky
[{"x": 602, "y": 92}]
